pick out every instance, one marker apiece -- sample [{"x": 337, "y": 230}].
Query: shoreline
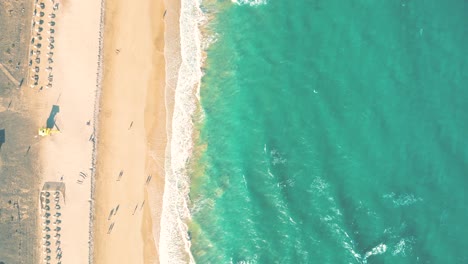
[{"x": 183, "y": 93}]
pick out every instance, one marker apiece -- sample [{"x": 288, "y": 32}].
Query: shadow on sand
[
  {"x": 51, "y": 120},
  {"x": 2, "y": 137}
]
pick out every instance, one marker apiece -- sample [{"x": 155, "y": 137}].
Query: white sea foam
[
  {"x": 403, "y": 246},
  {"x": 175, "y": 213},
  {"x": 250, "y": 2},
  {"x": 377, "y": 250},
  {"x": 402, "y": 199}
]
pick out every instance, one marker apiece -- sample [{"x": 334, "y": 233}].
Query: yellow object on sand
[{"x": 44, "y": 131}]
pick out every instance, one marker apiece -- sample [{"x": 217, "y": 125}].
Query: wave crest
[{"x": 250, "y": 2}]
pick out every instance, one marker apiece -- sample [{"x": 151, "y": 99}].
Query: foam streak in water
[{"x": 250, "y": 2}]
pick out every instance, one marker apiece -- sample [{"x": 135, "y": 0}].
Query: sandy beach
[
  {"x": 100, "y": 88},
  {"x": 132, "y": 134},
  {"x": 68, "y": 106}
]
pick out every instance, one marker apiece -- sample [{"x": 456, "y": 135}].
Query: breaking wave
[{"x": 175, "y": 242}]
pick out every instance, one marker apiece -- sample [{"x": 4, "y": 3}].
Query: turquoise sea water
[{"x": 333, "y": 132}]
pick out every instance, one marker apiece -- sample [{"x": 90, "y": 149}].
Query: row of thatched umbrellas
[
  {"x": 35, "y": 71},
  {"x": 46, "y": 229}
]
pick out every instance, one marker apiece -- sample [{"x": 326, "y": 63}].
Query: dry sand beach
[
  {"x": 66, "y": 157},
  {"x": 99, "y": 81}
]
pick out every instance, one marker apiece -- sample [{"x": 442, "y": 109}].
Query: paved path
[{"x": 8, "y": 74}]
